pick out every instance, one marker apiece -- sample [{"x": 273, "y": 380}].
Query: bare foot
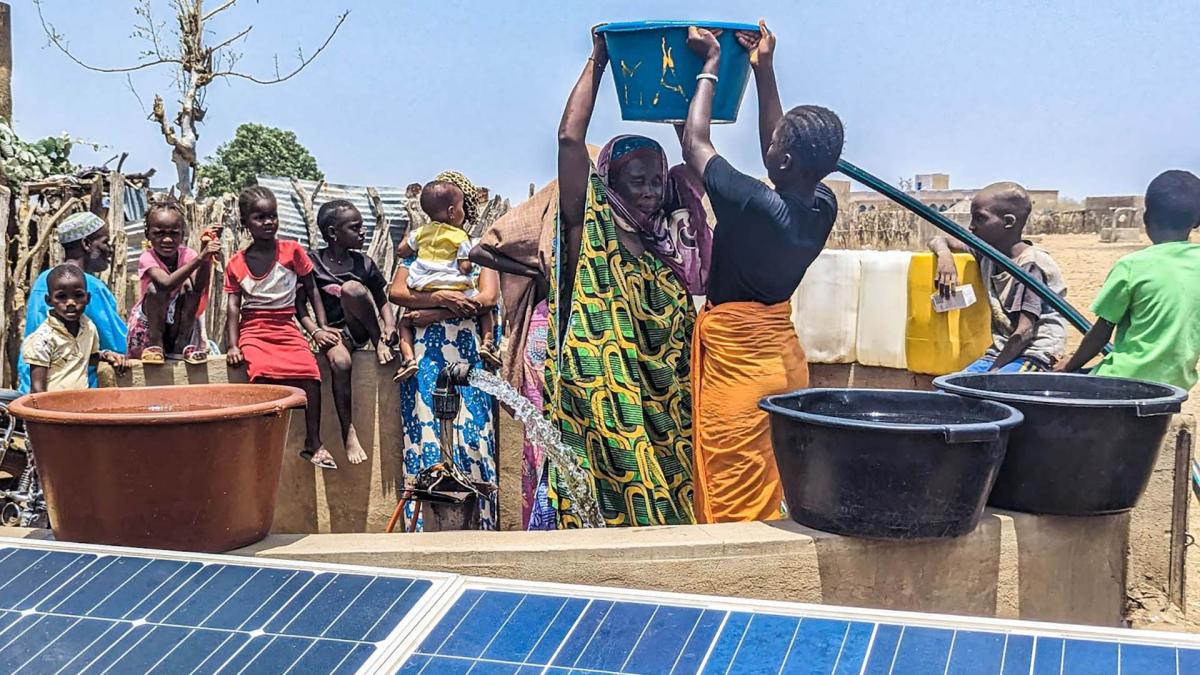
[
  {"x": 384, "y": 353},
  {"x": 354, "y": 451}
]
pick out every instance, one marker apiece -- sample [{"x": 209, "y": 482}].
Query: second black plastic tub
[
  {"x": 1088, "y": 445},
  {"x": 887, "y": 464}
]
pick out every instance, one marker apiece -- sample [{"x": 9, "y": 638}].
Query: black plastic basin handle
[
  {"x": 1152, "y": 408},
  {"x": 975, "y": 433}
]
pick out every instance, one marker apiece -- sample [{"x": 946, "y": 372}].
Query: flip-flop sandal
[
  {"x": 491, "y": 358},
  {"x": 326, "y": 463},
  {"x": 153, "y": 355},
  {"x": 408, "y": 368},
  {"x": 195, "y": 355}
]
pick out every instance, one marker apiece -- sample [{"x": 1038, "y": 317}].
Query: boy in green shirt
[{"x": 1152, "y": 297}]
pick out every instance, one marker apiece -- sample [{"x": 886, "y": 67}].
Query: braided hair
[
  {"x": 470, "y": 194},
  {"x": 813, "y": 136},
  {"x": 167, "y": 204},
  {"x": 249, "y": 196}
]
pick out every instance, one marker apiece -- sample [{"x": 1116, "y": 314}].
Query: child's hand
[
  {"x": 117, "y": 361},
  {"x": 211, "y": 250},
  {"x": 704, "y": 42},
  {"x": 946, "y": 279},
  {"x": 326, "y": 338},
  {"x": 234, "y": 357},
  {"x": 390, "y": 337},
  {"x": 761, "y": 45},
  {"x": 419, "y": 318}
]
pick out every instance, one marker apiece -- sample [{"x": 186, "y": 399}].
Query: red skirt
[{"x": 274, "y": 348}]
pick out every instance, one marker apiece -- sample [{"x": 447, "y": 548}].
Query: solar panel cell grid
[
  {"x": 68, "y": 609},
  {"x": 495, "y": 631},
  {"x": 86, "y": 613}
]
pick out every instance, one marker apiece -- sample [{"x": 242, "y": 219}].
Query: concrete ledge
[{"x": 1013, "y": 565}]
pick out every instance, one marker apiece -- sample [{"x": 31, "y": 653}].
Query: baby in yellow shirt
[{"x": 442, "y": 248}]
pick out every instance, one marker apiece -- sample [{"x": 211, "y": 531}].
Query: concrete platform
[{"x": 1085, "y": 570}]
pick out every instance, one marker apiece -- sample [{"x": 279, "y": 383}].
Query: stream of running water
[{"x": 544, "y": 434}]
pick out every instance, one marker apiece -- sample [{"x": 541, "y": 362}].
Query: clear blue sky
[{"x": 1091, "y": 97}]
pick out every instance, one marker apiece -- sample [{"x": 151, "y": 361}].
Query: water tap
[{"x": 446, "y": 399}]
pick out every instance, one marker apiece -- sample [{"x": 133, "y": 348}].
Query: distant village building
[{"x": 933, "y": 190}]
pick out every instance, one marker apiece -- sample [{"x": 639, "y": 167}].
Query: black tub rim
[
  {"x": 973, "y": 432},
  {"x": 1170, "y": 402}
]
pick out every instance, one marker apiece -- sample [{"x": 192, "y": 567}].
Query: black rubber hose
[{"x": 953, "y": 229}]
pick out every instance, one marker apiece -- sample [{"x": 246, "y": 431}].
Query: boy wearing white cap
[{"x": 84, "y": 237}]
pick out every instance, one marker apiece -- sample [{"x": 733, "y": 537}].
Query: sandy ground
[{"x": 1085, "y": 263}]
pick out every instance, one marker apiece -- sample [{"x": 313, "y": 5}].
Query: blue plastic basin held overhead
[{"x": 655, "y": 72}]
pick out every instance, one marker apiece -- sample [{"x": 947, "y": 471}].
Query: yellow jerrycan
[{"x": 937, "y": 343}]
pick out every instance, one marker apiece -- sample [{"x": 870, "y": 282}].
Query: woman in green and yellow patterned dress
[{"x": 632, "y": 249}]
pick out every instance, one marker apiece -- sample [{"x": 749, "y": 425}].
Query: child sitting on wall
[
  {"x": 261, "y": 283},
  {"x": 1150, "y": 298},
  {"x": 1027, "y": 334},
  {"x": 173, "y": 281},
  {"x": 442, "y": 248},
  {"x": 67, "y": 342}
]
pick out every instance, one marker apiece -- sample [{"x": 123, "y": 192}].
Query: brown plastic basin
[{"x": 192, "y": 468}]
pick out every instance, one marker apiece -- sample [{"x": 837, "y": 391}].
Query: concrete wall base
[{"x": 1013, "y": 565}]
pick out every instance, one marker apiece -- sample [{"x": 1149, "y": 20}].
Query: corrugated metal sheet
[{"x": 291, "y": 222}]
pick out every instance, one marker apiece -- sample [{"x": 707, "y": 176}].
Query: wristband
[{"x": 708, "y": 76}]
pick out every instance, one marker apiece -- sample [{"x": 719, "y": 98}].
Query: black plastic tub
[
  {"x": 1088, "y": 445},
  {"x": 887, "y": 464}
]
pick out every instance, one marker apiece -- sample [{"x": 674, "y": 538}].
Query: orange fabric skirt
[{"x": 742, "y": 351}]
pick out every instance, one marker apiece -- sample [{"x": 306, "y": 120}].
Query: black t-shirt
[
  {"x": 764, "y": 241},
  {"x": 363, "y": 270}
]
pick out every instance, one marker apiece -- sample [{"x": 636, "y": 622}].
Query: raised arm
[
  {"x": 574, "y": 165},
  {"x": 698, "y": 149},
  {"x": 173, "y": 280},
  {"x": 761, "y": 46}
]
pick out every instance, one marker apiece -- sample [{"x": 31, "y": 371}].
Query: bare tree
[{"x": 196, "y": 61}]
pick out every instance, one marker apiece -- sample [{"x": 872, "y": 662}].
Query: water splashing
[{"x": 544, "y": 434}]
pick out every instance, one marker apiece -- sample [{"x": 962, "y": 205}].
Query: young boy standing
[
  {"x": 1027, "y": 334},
  {"x": 60, "y": 350},
  {"x": 1150, "y": 298}
]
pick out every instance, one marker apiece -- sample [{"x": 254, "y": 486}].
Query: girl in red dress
[{"x": 261, "y": 284}]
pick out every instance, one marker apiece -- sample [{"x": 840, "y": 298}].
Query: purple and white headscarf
[{"x": 678, "y": 232}]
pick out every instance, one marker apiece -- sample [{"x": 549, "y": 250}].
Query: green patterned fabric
[{"x": 619, "y": 385}]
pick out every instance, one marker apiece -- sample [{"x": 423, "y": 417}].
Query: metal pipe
[{"x": 987, "y": 250}]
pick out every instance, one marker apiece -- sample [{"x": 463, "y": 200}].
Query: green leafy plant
[{"x": 24, "y": 162}]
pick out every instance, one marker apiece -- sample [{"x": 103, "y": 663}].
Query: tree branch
[
  {"x": 160, "y": 115},
  {"x": 235, "y": 38},
  {"x": 58, "y": 41},
  {"x": 218, "y": 10},
  {"x": 303, "y": 63}
]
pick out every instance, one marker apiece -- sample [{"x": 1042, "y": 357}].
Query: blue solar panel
[
  {"x": 75, "y": 612},
  {"x": 66, "y": 608},
  {"x": 493, "y": 632}
]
